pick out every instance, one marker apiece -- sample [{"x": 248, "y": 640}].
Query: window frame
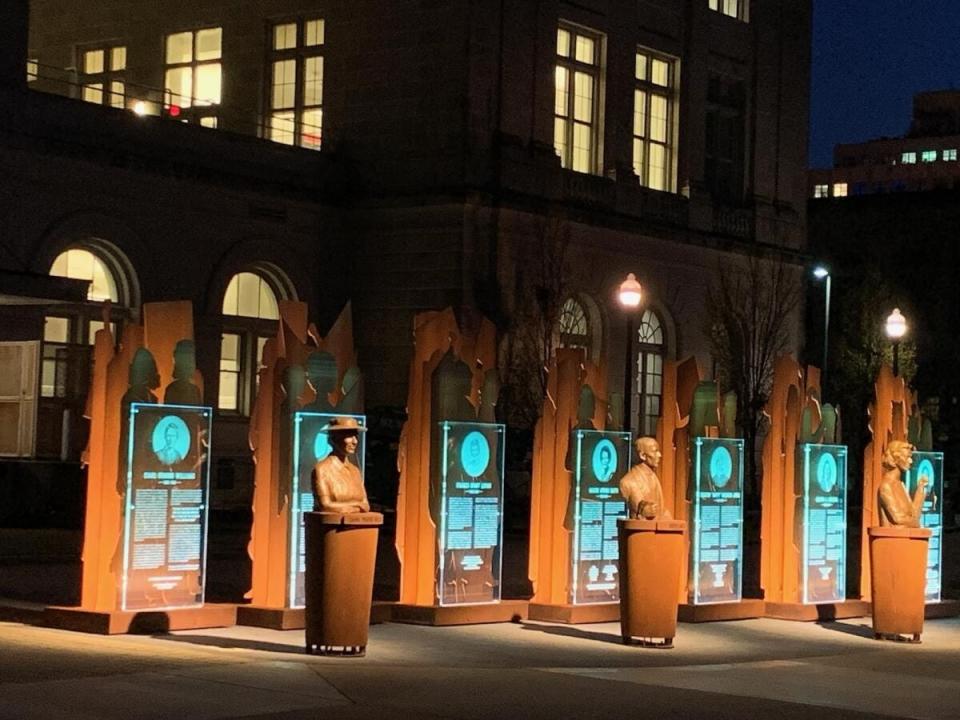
[
  {"x": 300, "y": 54},
  {"x": 595, "y": 70},
  {"x": 202, "y": 113},
  {"x": 671, "y": 94},
  {"x": 107, "y": 78},
  {"x": 740, "y": 11},
  {"x": 644, "y": 351}
]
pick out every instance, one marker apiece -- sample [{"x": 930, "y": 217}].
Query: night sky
[{"x": 869, "y": 58}]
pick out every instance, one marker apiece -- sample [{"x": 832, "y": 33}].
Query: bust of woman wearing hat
[{"x": 337, "y": 483}]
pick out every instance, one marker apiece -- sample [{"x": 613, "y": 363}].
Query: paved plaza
[{"x": 754, "y": 668}]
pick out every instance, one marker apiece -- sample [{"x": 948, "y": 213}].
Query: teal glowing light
[
  {"x": 474, "y": 454},
  {"x": 827, "y": 472},
  {"x": 170, "y": 440},
  {"x": 604, "y": 461},
  {"x": 925, "y": 469},
  {"x": 321, "y": 446},
  {"x": 721, "y": 466}
]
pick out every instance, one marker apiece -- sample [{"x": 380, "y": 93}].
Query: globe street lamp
[
  {"x": 820, "y": 272},
  {"x": 896, "y": 328},
  {"x": 629, "y": 297}
]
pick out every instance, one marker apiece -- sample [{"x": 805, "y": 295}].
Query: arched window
[
  {"x": 250, "y": 319},
  {"x": 69, "y": 331},
  {"x": 574, "y": 325},
  {"x": 651, "y": 349}
]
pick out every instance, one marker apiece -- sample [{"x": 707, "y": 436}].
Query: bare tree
[
  {"x": 541, "y": 284},
  {"x": 751, "y": 311}
]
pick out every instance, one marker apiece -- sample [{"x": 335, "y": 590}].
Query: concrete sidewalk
[{"x": 755, "y": 668}]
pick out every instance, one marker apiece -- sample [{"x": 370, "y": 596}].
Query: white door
[{"x": 18, "y": 397}]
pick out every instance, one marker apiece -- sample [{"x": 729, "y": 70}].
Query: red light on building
[{"x": 173, "y": 111}]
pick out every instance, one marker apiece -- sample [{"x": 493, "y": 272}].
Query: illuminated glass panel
[
  {"x": 33, "y": 69},
  {"x": 81, "y": 264},
  {"x": 229, "y": 394},
  {"x": 574, "y": 326},
  {"x": 823, "y": 523},
  {"x": 950, "y": 155},
  {"x": 249, "y": 295},
  {"x": 908, "y": 158},
  {"x": 602, "y": 458},
  {"x": 310, "y": 446},
  {"x": 716, "y": 535},
  {"x": 930, "y": 465},
  {"x": 839, "y": 189},
  {"x": 295, "y": 92},
  {"x": 101, "y": 76},
  {"x": 166, "y": 506},
  {"x": 577, "y": 98},
  {"x": 928, "y": 156},
  {"x": 193, "y": 78},
  {"x": 471, "y": 512},
  {"x": 821, "y": 191},
  {"x": 730, "y": 8},
  {"x": 649, "y": 379},
  {"x": 654, "y": 108}
]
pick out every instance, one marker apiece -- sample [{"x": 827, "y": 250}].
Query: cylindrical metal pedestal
[
  {"x": 341, "y": 554},
  {"x": 651, "y": 559},
  {"x": 898, "y": 571}
]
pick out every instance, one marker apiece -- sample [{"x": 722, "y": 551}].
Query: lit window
[
  {"x": 577, "y": 77},
  {"x": 839, "y": 189},
  {"x": 295, "y": 96},
  {"x": 574, "y": 326},
  {"x": 250, "y": 318},
  {"x": 908, "y": 158},
  {"x": 821, "y": 191},
  {"x": 950, "y": 155},
  {"x": 69, "y": 333},
  {"x": 194, "y": 75},
  {"x": 81, "y": 264},
  {"x": 649, "y": 379},
  {"x": 928, "y": 156},
  {"x": 731, "y": 8},
  {"x": 102, "y": 75},
  {"x": 33, "y": 68},
  {"x": 654, "y": 120}
]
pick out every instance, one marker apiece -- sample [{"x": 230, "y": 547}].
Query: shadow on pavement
[
  {"x": 233, "y": 643},
  {"x": 574, "y": 632},
  {"x": 865, "y": 631}
]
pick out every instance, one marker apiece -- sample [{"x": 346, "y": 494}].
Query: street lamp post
[
  {"x": 896, "y": 328},
  {"x": 629, "y": 297},
  {"x": 822, "y": 273}
]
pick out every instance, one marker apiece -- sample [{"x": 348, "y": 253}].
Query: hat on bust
[{"x": 344, "y": 424}]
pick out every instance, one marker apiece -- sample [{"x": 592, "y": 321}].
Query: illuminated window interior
[
  {"x": 821, "y": 191},
  {"x": 194, "y": 75},
  {"x": 908, "y": 158},
  {"x": 102, "y": 75},
  {"x": 731, "y": 8},
  {"x": 839, "y": 189},
  {"x": 33, "y": 69},
  {"x": 928, "y": 156},
  {"x": 81, "y": 264},
  {"x": 574, "y": 325},
  {"x": 69, "y": 332},
  {"x": 649, "y": 379},
  {"x": 250, "y": 307},
  {"x": 295, "y": 95},
  {"x": 654, "y": 122},
  {"x": 950, "y": 155},
  {"x": 577, "y": 78}
]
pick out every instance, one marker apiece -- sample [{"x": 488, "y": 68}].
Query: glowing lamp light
[
  {"x": 140, "y": 108},
  {"x": 896, "y": 326},
  {"x": 820, "y": 272},
  {"x": 630, "y": 293}
]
